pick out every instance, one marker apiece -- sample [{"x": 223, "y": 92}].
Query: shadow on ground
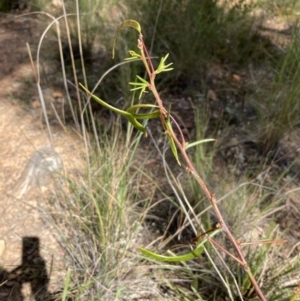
[{"x": 32, "y": 271}]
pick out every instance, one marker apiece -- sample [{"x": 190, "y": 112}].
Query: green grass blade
[{"x": 66, "y": 285}]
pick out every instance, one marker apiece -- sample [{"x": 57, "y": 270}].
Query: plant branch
[
  {"x": 166, "y": 120},
  {"x": 191, "y": 169}
]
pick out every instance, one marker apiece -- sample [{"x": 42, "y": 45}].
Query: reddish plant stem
[
  {"x": 224, "y": 250},
  {"x": 190, "y": 168}
]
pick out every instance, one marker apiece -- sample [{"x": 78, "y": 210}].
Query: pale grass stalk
[
  {"x": 55, "y": 21},
  {"x": 84, "y": 75}
]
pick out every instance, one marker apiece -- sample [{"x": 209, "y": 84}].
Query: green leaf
[
  {"x": 142, "y": 88},
  {"x": 180, "y": 258},
  {"x": 150, "y": 115},
  {"x": 130, "y": 117},
  {"x": 162, "y": 67},
  {"x": 169, "y": 132},
  {"x": 133, "y": 54},
  {"x": 142, "y": 85},
  {"x": 173, "y": 148},
  {"x": 128, "y": 23},
  {"x": 173, "y": 258},
  {"x": 189, "y": 145},
  {"x": 143, "y": 80}
]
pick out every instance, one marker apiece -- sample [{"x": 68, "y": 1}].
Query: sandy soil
[{"x": 30, "y": 254}]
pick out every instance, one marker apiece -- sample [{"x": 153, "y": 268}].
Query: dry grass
[{"x": 101, "y": 213}]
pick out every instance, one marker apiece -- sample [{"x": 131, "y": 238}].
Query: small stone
[
  {"x": 56, "y": 94},
  {"x": 17, "y": 85},
  {"x": 236, "y": 78},
  {"x": 35, "y": 104}
]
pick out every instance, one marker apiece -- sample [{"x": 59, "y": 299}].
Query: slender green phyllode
[
  {"x": 169, "y": 132},
  {"x": 130, "y": 113},
  {"x": 180, "y": 258},
  {"x": 127, "y": 23}
]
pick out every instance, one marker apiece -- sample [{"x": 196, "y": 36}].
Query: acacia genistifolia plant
[{"x": 178, "y": 146}]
